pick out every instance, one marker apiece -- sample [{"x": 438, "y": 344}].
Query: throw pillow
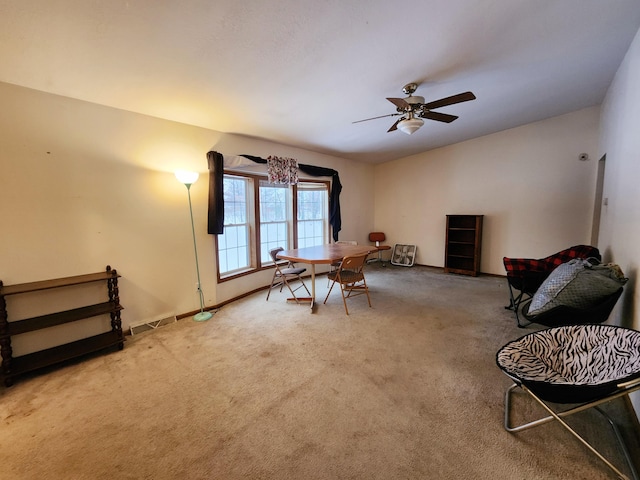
[{"x": 578, "y": 284}]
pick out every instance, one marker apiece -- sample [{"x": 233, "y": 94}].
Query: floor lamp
[{"x": 188, "y": 178}]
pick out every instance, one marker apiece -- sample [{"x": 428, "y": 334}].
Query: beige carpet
[{"x": 407, "y": 389}]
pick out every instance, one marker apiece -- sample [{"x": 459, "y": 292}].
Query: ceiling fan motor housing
[{"x": 413, "y": 100}]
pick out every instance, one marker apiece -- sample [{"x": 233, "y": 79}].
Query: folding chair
[
  {"x": 350, "y": 276},
  {"x": 335, "y": 265},
  {"x": 285, "y": 273},
  {"x": 525, "y": 275},
  {"x": 586, "y": 365}
]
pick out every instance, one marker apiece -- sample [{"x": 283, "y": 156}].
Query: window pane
[
  {"x": 233, "y": 245},
  {"x": 313, "y": 218},
  {"x": 274, "y": 218}
]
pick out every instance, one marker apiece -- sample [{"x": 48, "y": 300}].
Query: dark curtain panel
[
  {"x": 335, "y": 219},
  {"x": 215, "y": 220}
]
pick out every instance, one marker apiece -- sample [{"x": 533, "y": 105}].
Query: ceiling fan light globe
[{"x": 410, "y": 125}]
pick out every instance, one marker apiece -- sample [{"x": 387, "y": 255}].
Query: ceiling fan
[{"x": 413, "y": 109}]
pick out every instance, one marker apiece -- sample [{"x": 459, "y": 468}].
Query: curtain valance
[{"x": 217, "y": 163}]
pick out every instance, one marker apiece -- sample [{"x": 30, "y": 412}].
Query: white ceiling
[{"x": 299, "y": 72}]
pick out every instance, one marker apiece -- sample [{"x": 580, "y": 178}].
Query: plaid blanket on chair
[{"x": 527, "y": 274}]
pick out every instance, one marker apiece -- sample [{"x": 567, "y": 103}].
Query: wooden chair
[
  {"x": 350, "y": 276},
  {"x": 285, "y": 273}
]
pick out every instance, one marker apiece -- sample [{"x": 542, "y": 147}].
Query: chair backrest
[
  {"x": 548, "y": 264},
  {"x": 354, "y": 263},
  {"x": 518, "y": 265},
  {"x": 377, "y": 237},
  {"x": 577, "y": 251},
  {"x": 274, "y": 254},
  {"x": 347, "y": 242}
]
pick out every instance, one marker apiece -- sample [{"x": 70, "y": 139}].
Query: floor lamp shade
[{"x": 188, "y": 178}]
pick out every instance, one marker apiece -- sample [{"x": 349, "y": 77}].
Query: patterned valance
[{"x": 282, "y": 170}]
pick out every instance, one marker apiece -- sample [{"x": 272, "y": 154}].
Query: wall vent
[{"x": 151, "y": 325}]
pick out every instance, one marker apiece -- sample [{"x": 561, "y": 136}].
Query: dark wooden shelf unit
[
  {"x": 463, "y": 244},
  {"x": 14, "y": 366}
]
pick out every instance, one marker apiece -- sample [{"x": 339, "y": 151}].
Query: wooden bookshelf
[
  {"x": 14, "y": 366},
  {"x": 463, "y": 244}
]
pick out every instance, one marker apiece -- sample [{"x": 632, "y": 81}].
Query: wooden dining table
[{"x": 323, "y": 255}]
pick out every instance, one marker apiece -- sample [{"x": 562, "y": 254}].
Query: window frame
[
  {"x": 249, "y": 222},
  {"x": 289, "y": 219},
  {"x": 253, "y": 215},
  {"x": 325, "y": 210}
]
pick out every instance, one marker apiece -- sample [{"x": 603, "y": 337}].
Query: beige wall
[
  {"x": 83, "y": 186},
  {"x": 619, "y": 234},
  {"x": 536, "y": 195}
]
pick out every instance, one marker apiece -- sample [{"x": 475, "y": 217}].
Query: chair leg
[
  {"x": 292, "y": 290},
  {"x": 558, "y": 416},
  {"x": 621, "y": 442},
  {"x": 512, "y": 299},
  {"x": 283, "y": 281},
  {"x": 329, "y": 292},
  {"x": 273, "y": 280},
  {"x": 515, "y": 302},
  {"x": 361, "y": 288},
  {"x": 377, "y": 259},
  {"x": 350, "y": 288},
  {"x": 366, "y": 290},
  {"x": 305, "y": 286},
  {"x": 331, "y": 270},
  {"x": 344, "y": 300}
]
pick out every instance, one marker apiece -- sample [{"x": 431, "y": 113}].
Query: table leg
[
  {"x": 312, "y": 298},
  {"x": 313, "y": 286}
]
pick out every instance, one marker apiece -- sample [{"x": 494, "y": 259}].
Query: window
[
  {"x": 275, "y": 218},
  {"x": 234, "y": 246},
  {"x": 312, "y": 214},
  {"x": 259, "y": 216}
]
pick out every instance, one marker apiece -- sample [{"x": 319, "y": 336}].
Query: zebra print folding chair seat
[{"x": 577, "y": 364}]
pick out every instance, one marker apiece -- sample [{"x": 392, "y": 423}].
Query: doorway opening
[{"x": 598, "y": 202}]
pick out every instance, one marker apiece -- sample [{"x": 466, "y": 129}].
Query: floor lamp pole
[{"x": 202, "y": 315}]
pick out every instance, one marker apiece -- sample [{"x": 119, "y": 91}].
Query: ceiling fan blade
[
  {"x": 373, "y": 118},
  {"x": 400, "y": 103},
  {"x": 443, "y": 102},
  {"x": 440, "y": 117},
  {"x": 395, "y": 125}
]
